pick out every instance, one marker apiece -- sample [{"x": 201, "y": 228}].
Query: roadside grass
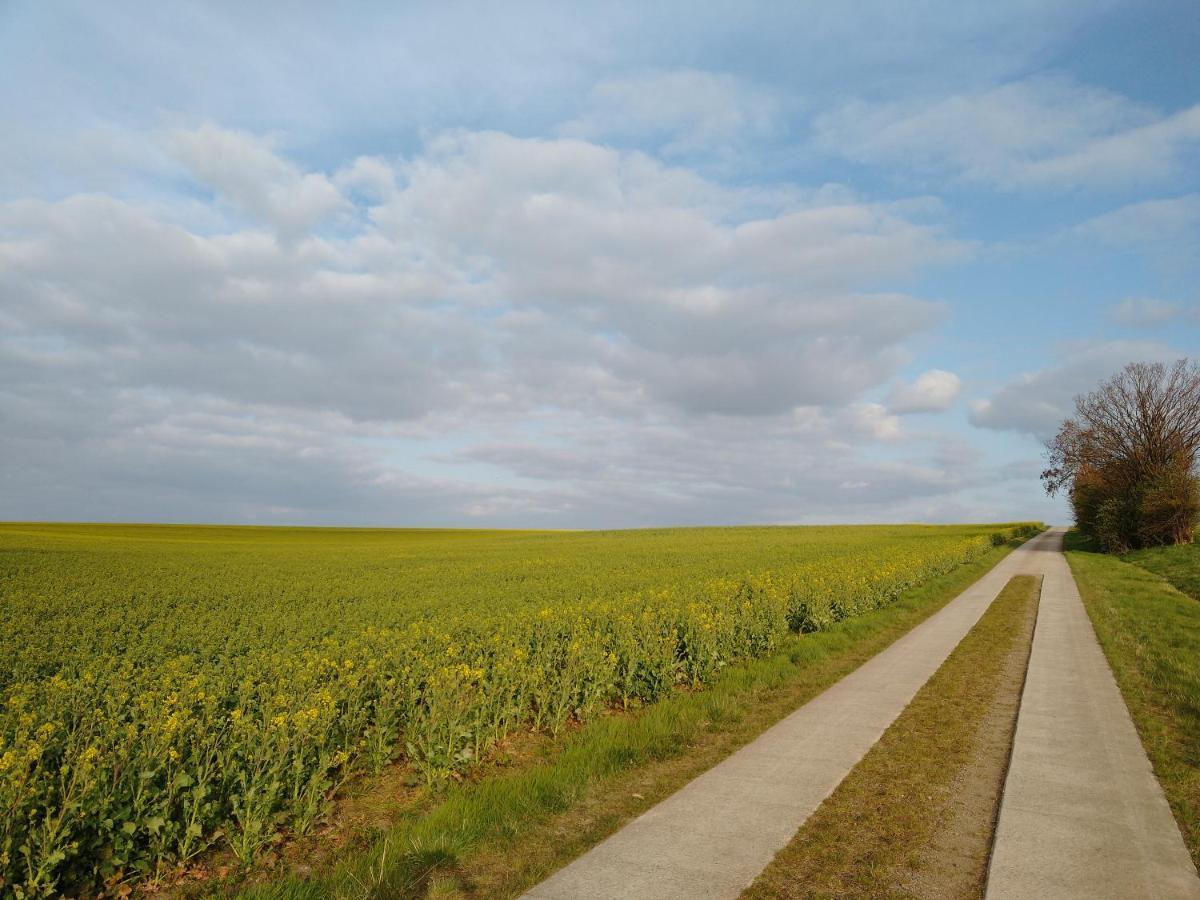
[
  {"x": 1150, "y": 633},
  {"x": 1179, "y": 565},
  {"x": 915, "y": 817},
  {"x": 500, "y": 836}
]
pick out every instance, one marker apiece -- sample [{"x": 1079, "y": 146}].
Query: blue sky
[{"x": 578, "y": 265}]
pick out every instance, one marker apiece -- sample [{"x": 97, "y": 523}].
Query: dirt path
[
  {"x": 1082, "y": 813},
  {"x": 711, "y": 838}
]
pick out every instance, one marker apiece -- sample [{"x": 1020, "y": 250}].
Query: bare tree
[{"x": 1127, "y": 458}]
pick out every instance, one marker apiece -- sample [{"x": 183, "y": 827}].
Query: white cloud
[
  {"x": 1160, "y": 222},
  {"x": 373, "y": 176},
  {"x": 682, "y": 111},
  {"x": 651, "y": 327},
  {"x": 875, "y": 420},
  {"x": 805, "y": 467},
  {"x": 247, "y": 173},
  {"x": 686, "y": 290},
  {"x": 1143, "y": 312},
  {"x": 1036, "y": 403},
  {"x": 1044, "y": 131},
  {"x": 933, "y": 391}
]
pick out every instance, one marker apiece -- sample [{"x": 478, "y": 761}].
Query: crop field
[{"x": 167, "y": 689}]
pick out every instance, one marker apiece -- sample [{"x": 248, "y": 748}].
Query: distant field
[{"x": 166, "y": 688}]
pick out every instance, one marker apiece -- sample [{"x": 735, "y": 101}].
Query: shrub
[
  {"x": 1170, "y": 509},
  {"x": 1117, "y": 522}
]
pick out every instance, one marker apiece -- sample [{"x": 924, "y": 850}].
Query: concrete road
[
  {"x": 1082, "y": 814},
  {"x": 712, "y": 837}
]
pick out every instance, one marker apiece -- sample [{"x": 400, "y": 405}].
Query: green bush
[
  {"x": 1170, "y": 508},
  {"x": 1163, "y": 510}
]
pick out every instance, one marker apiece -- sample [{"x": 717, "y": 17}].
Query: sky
[{"x": 580, "y": 265}]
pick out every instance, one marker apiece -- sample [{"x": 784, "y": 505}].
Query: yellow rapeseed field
[{"x": 166, "y": 689}]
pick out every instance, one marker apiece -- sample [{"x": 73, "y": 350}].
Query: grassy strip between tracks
[
  {"x": 1150, "y": 633},
  {"x": 915, "y": 817},
  {"x": 497, "y": 837}
]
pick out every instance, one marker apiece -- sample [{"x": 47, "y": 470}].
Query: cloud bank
[{"x": 495, "y": 327}]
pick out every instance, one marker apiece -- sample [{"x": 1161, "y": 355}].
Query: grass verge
[
  {"x": 498, "y": 837},
  {"x": 1179, "y": 565},
  {"x": 915, "y": 817},
  {"x": 1150, "y": 633}
]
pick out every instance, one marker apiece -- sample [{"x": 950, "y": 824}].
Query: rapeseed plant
[{"x": 203, "y": 697}]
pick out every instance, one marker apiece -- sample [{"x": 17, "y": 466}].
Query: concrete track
[
  {"x": 713, "y": 836},
  {"x": 1082, "y": 814}
]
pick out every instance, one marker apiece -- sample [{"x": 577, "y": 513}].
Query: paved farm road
[{"x": 1082, "y": 813}]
